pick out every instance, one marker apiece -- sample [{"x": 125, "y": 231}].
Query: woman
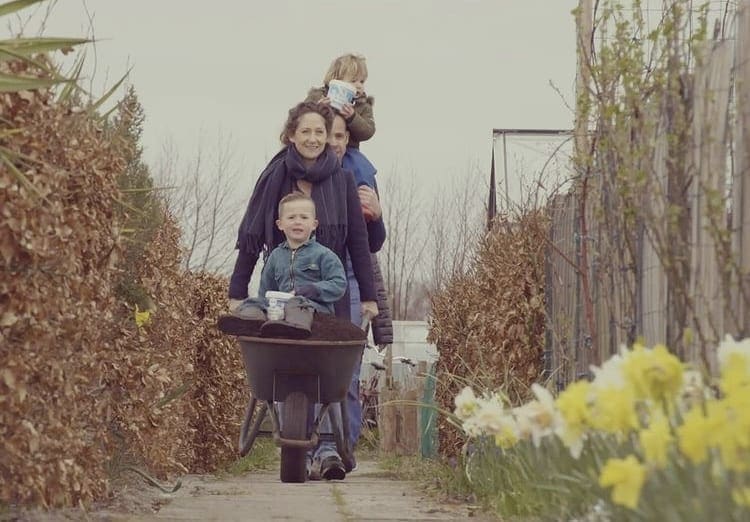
[{"x": 308, "y": 164}]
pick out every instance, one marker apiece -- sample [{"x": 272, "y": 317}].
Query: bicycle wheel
[{"x": 294, "y": 422}]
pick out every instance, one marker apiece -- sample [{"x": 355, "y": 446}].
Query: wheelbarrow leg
[
  {"x": 340, "y": 428},
  {"x": 251, "y": 427}
]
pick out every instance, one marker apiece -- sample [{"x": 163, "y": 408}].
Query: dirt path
[{"x": 367, "y": 494}]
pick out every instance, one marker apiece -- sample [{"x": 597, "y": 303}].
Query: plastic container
[
  {"x": 341, "y": 93},
  {"x": 276, "y": 303}
]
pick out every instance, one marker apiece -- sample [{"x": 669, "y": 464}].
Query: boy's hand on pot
[{"x": 234, "y": 303}]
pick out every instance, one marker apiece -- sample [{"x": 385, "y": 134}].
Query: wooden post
[{"x": 740, "y": 305}]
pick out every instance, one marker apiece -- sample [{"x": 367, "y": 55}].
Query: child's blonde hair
[
  {"x": 295, "y": 196},
  {"x": 346, "y": 66}
]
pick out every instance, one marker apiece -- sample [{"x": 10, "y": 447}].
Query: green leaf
[
  {"x": 11, "y": 7},
  {"x": 20, "y": 177},
  {"x": 109, "y": 93},
  {"x": 11, "y": 83},
  {"x": 73, "y": 84},
  {"x": 13, "y": 48}
]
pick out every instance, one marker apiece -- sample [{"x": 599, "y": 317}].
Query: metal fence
[{"x": 628, "y": 294}]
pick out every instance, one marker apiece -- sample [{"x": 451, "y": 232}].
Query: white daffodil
[
  {"x": 490, "y": 416},
  {"x": 538, "y": 418},
  {"x": 610, "y": 373},
  {"x": 466, "y": 404}
]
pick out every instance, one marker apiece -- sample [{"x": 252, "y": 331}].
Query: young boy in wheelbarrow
[
  {"x": 315, "y": 275},
  {"x": 300, "y": 266}
]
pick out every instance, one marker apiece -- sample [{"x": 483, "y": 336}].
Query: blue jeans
[{"x": 353, "y": 406}]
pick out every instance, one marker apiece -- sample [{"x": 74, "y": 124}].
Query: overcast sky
[{"x": 443, "y": 73}]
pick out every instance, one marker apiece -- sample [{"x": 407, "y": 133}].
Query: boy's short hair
[
  {"x": 348, "y": 65},
  {"x": 296, "y": 196}
]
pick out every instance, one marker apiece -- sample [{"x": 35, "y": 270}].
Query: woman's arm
[
  {"x": 243, "y": 271},
  {"x": 376, "y": 234},
  {"x": 357, "y": 242}
]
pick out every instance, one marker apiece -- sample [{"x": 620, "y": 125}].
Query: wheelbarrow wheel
[
  {"x": 294, "y": 427},
  {"x": 251, "y": 425}
]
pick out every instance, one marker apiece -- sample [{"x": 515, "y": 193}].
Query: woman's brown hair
[{"x": 299, "y": 110}]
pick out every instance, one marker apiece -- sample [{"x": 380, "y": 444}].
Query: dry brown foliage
[
  {"x": 489, "y": 324},
  {"x": 81, "y": 386}
]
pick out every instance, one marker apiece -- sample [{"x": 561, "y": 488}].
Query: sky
[{"x": 443, "y": 73}]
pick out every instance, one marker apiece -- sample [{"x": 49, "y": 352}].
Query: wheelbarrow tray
[{"x": 269, "y": 362}]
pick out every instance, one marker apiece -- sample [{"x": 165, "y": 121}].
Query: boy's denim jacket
[{"x": 312, "y": 271}]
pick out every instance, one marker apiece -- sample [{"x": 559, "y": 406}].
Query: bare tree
[
  {"x": 455, "y": 226},
  {"x": 402, "y": 254},
  {"x": 202, "y": 196}
]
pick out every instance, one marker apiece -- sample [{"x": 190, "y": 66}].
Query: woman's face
[{"x": 310, "y": 136}]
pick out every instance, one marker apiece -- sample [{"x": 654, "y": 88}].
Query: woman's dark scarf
[{"x": 258, "y": 232}]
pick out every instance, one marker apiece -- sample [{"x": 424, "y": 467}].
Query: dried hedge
[
  {"x": 489, "y": 324},
  {"x": 82, "y": 386}
]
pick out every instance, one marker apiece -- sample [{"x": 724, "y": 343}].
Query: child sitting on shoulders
[{"x": 352, "y": 68}]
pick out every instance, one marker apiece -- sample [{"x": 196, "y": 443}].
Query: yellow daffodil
[
  {"x": 626, "y": 477},
  {"x": 730, "y": 433},
  {"x": 693, "y": 436},
  {"x": 614, "y": 411},
  {"x": 656, "y": 441},
  {"x": 573, "y": 405},
  {"x": 507, "y": 436},
  {"x": 741, "y": 496},
  {"x": 735, "y": 376},
  {"x": 728, "y": 347},
  {"x": 142, "y": 318},
  {"x": 654, "y": 373}
]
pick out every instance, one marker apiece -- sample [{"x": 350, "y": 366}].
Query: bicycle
[{"x": 369, "y": 398}]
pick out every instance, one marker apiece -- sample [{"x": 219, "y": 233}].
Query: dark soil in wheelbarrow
[{"x": 325, "y": 327}]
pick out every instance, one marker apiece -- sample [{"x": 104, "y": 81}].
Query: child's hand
[
  {"x": 325, "y": 100},
  {"x": 234, "y": 304},
  {"x": 347, "y": 111}
]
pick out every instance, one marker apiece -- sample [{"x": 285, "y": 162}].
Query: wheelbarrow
[{"x": 297, "y": 373}]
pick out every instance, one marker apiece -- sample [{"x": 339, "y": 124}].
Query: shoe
[
  {"x": 247, "y": 319},
  {"x": 332, "y": 468},
  {"x": 351, "y": 464},
  {"x": 297, "y": 322},
  {"x": 313, "y": 472}
]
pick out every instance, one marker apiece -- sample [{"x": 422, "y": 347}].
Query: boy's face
[{"x": 297, "y": 221}]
